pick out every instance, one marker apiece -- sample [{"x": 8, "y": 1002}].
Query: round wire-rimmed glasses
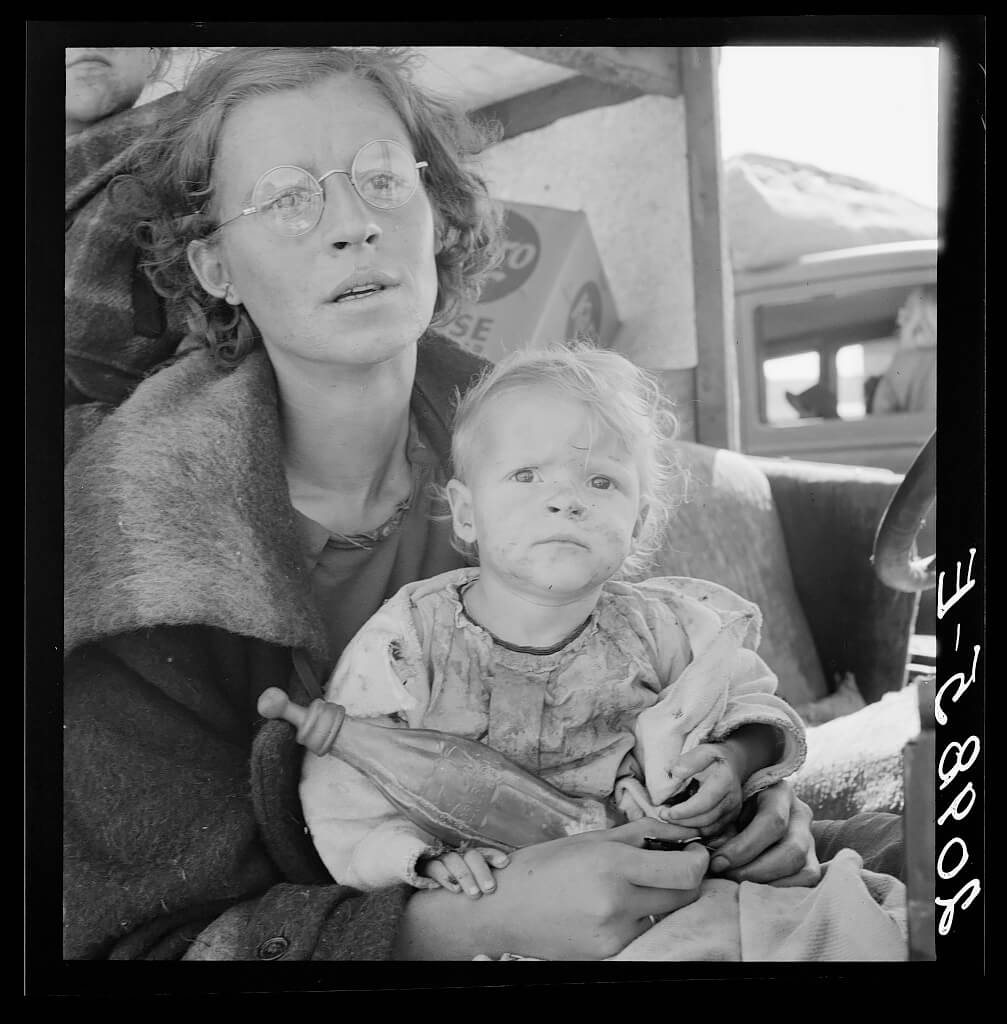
[{"x": 290, "y": 199}]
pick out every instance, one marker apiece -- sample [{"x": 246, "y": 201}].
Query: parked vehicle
[
  {"x": 825, "y": 325},
  {"x": 827, "y": 322}
]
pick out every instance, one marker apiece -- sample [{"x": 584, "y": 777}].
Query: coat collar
[{"x": 177, "y": 510}]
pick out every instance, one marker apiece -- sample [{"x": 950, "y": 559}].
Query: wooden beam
[
  {"x": 918, "y": 815},
  {"x": 717, "y": 413},
  {"x": 652, "y": 69},
  {"x": 541, "y": 107}
]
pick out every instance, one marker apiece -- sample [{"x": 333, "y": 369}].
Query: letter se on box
[{"x": 549, "y": 287}]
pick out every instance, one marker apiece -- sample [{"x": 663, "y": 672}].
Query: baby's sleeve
[
  {"x": 751, "y": 700},
  {"x": 363, "y": 839},
  {"x": 361, "y": 836},
  {"x": 720, "y": 685}
]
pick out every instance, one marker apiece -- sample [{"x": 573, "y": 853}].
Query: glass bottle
[{"x": 459, "y": 790}]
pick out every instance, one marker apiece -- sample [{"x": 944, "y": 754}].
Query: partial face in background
[
  {"x": 917, "y": 321},
  {"x": 360, "y": 286},
  {"x": 554, "y": 497},
  {"x": 102, "y": 81}
]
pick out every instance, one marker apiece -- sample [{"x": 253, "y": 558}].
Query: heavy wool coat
[{"x": 185, "y": 594}]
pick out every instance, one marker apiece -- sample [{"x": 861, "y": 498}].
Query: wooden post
[
  {"x": 919, "y": 817},
  {"x": 717, "y": 413}
]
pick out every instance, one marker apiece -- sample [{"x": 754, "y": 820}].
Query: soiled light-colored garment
[{"x": 660, "y": 667}]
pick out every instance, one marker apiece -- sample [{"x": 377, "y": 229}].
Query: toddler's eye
[
  {"x": 524, "y": 476},
  {"x": 601, "y": 483}
]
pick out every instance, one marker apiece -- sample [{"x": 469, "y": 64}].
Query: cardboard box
[{"x": 550, "y": 287}]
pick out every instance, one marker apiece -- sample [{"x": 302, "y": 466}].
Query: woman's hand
[
  {"x": 776, "y": 846},
  {"x": 579, "y": 898}
]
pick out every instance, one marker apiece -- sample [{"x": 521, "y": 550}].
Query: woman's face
[{"x": 291, "y": 286}]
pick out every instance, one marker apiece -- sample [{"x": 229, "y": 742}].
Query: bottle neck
[{"x": 320, "y": 726}]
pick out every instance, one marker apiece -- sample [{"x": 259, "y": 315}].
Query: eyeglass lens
[{"x": 290, "y": 199}]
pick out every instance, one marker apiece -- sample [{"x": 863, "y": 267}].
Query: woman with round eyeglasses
[{"x": 232, "y": 524}]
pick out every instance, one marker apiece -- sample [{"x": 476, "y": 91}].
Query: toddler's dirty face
[{"x": 554, "y": 495}]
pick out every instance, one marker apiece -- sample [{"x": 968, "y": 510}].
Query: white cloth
[{"x": 852, "y": 914}]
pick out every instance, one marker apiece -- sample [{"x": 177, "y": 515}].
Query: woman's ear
[
  {"x": 207, "y": 264},
  {"x": 462, "y": 518}
]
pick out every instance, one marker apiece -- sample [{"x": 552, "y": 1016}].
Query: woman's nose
[{"x": 346, "y": 218}]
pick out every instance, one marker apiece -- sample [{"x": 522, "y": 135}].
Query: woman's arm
[
  {"x": 160, "y": 835},
  {"x": 584, "y": 897}
]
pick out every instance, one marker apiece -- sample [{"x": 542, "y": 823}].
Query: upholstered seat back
[{"x": 725, "y": 528}]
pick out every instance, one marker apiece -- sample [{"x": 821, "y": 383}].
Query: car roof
[{"x": 860, "y": 260}]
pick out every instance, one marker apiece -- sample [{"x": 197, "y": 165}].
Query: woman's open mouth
[
  {"x": 363, "y": 285},
  {"x": 362, "y": 292}
]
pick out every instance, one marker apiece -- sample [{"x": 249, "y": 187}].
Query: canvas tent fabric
[{"x": 779, "y": 210}]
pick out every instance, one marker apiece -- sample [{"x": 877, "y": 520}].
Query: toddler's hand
[
  {"x": 470, "y": 872},
  {"x": 718, "y": 801}
]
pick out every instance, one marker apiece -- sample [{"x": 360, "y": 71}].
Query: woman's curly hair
[{"x": 170, "y": 189}]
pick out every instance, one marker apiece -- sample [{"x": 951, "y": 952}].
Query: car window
[
  {"x": 859, "y": 368},
  {"x": 823, "y": 358},
  {"x": 783, "y": 375}
]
